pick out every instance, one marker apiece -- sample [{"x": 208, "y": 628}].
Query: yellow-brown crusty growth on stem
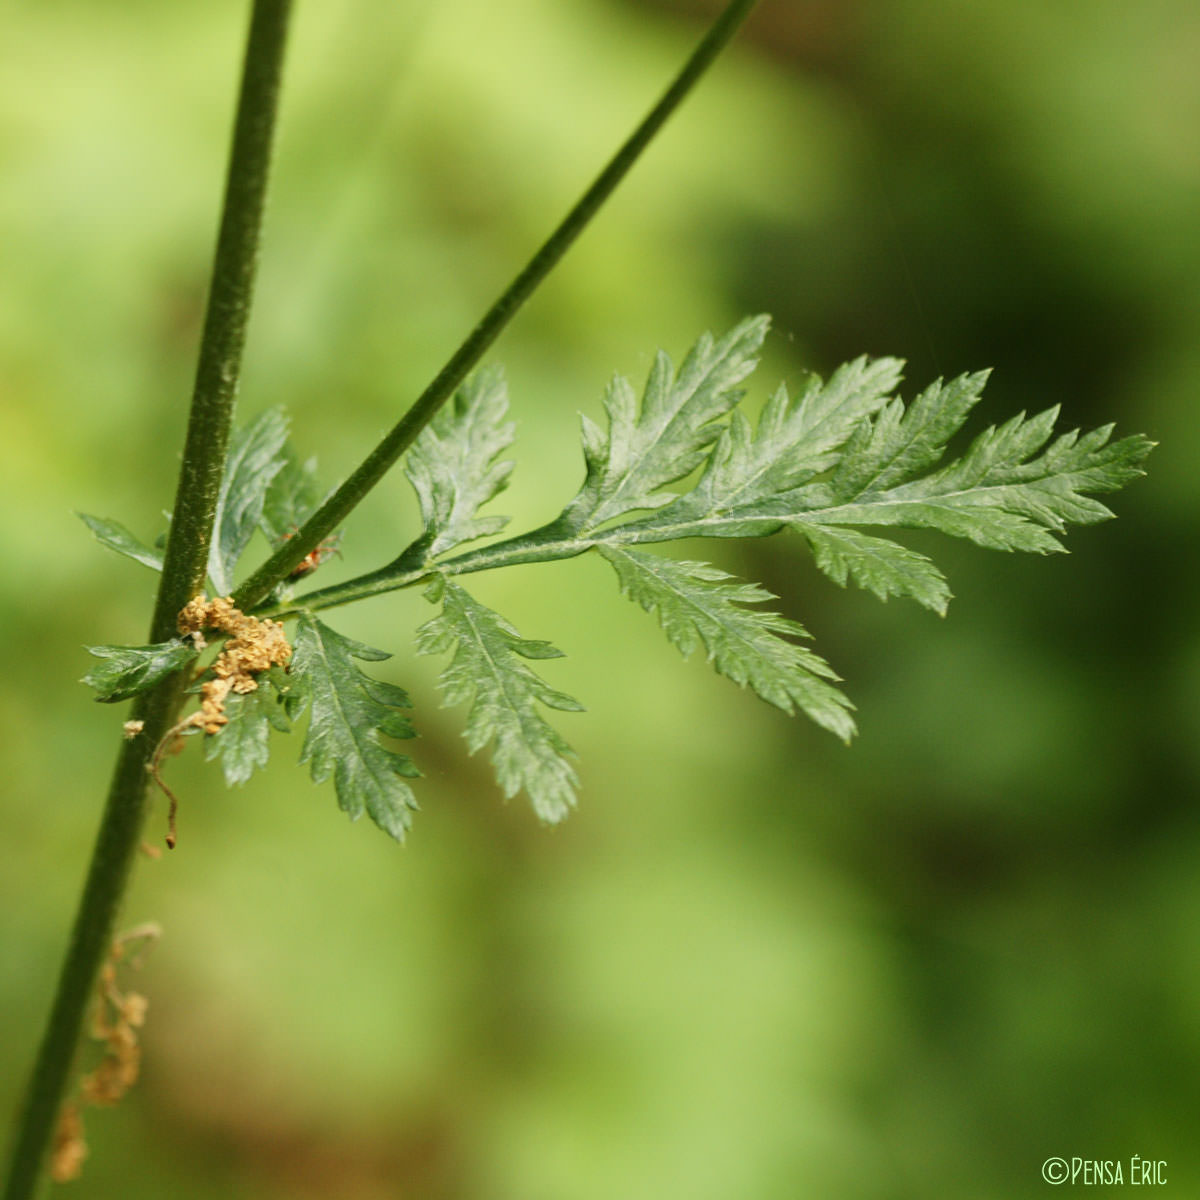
[{"x": 254, "y": 645}]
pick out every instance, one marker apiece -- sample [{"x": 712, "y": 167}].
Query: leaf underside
[
  {"x": 116, "y": 537},
  {"x": 836, "y": 458},
  {"x": 349, "y": 712},
  {"x": 243, "y": 744},
  {"x": 256, "y": 456},
  {"x": 453, "y": 468},
  {"x": 124, "y": 671},
  {"x": 699, "y": 605},
  {"x": 488, "y": 672}
]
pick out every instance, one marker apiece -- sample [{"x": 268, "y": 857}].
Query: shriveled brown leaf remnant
[
  {"x": 252, "y": 647},
  {"x": 69, "y": 1151},
  {"x": 118, "y": 1017}
]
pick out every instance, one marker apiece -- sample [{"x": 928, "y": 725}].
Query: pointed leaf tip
[
  {"x": 488, "y": 672},
  {"x": 347, "y": 712}
]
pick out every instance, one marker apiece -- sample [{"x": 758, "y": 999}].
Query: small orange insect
[{"x": 315, "y": 557}]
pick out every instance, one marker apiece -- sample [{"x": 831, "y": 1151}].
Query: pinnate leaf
[
  {"x": 488, "y": 671},
  {"x": 700, "y": 605},
  {"x": 794, "y": 440},
  {"x": 292, "y": 496},
  {"x": 837, "y": 456},
  {"x": 243, "y": 743},
  {"x": 453, "y": 466},
  {"x": 1009, "y": 491},
  {"x": 255, "y": 458},
  {"x": 649, "y": 446},
  {"x": 878, "y": 565},
  {"x": 348, "y": 711},
  {"x": 124, "y": 671}
]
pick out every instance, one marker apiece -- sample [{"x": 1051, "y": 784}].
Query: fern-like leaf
[
  {"x": 255, "y": 458},
  {"x": 838, "y": 457},
  {"x": 489, "y": 673},
  {"x": 291, "y": 497},
  {"x": 348, "y": 712},
  {"x": 124, "y": 671},
  {"x": 243, "y": 743},
  {"x": 666, "y": 438},
  {"x": 700, "y": 605},
  {"x": 453, "y": 466}
]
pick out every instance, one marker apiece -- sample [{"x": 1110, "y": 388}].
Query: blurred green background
[{"x": 754, "y": 963}]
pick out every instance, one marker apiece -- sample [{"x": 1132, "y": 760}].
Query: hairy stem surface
[
  {"x": 183, "y": 576},
  {"x": 335, "y": 510}
]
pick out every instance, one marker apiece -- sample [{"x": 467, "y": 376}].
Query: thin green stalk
[
  {"x": 539, "y": 546},
  {"x": 335, "y": 510},
  {"x": 183, "y": 575},
  {"x": 550, "y": 543}
]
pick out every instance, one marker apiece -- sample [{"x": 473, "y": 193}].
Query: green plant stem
[
  {"x": 542, "y": 545},
  {"x": 335, "y": 510},
  {"x": 183, "y": 575}
]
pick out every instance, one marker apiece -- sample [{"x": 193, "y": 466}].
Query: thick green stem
[
  {"x": 183, "y": 575},
  {"x": 335, "y": 510}
]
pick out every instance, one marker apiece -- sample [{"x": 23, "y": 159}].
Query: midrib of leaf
[
  {"x": 811, "y": 434},
  {"x": 365, "y": 744},
  {"x": 892, "y": 499},
  {"x": 706, "y": 615},
  {"x": 631, "y": 484},
  {"x": 734, "y": 522},
  {"x": 497, "y": 674},
  {"x": 757, "y": 521}
]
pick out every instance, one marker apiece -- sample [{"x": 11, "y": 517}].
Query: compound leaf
[
  {"x": 255, "y": 458},
  {"x": 840, "y": 455},
  {"x": 126, "y": 670},
  {"x": 348, "y": 712},
  {"x": 1002, "y": 493},
  {"x": 882, "y": 567},
  {"x": 700, "y": 605},
  {"x": 794, "y": 440},
  {"x": 489, "y": 673},
  {"x": 292, "y": 496},
  {"x": 243, "y": 743},
  {"x": 666, "y": 438},
  {"x": 453, "y": 466}
]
